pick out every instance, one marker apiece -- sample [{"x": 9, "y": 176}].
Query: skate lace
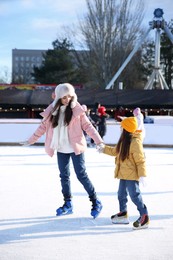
[
  {"x": 143, "y": 219},
  {"x": 121, "y": 214},
  {"x": 96, "y": 205},
  {"x": 65, "y": 206}
]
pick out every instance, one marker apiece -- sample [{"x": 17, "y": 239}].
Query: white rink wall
[
  {"x": 160, "y": 133},
  {"x": 14, "y": 131}
]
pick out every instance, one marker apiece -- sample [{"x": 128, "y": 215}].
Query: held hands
[{"x": 100, "y": 147}]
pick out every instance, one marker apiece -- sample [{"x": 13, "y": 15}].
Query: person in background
[
  {"x": 94, "y": 118},
  {"x": 130, "y": 168},
  {"x": 53, "y": 95},
  {"x": 64, "y": 122},
  {"x": 102, "y": 124},
  {"x": 119, "y": 113},
  {"x": 140, "y": 119},
  {"x": 89, "y": 140},
  {"x": 96, "y": 107}
]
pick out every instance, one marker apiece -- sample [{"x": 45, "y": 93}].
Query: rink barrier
[{"x": 14, "y": 131}]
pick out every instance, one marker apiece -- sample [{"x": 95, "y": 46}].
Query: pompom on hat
[
  {"x": 65, "y": 89},
  {"x": 130, "y": 124}
]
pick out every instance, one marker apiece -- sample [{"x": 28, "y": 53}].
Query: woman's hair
[
  {"x": 123, "y": 145},
  {"x": 68, "y": 113}
]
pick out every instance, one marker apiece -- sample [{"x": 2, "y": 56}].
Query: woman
[{"x": 64, "y": 122}]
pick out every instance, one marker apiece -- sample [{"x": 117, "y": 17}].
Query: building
[{"x": 23, "y": 62}]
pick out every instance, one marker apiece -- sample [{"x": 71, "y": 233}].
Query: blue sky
[{"x": 35, "y": 24}]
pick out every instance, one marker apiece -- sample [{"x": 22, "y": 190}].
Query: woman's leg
[
  {"x": 64, "y": 168},
  {"x": 80, "y": 170}
]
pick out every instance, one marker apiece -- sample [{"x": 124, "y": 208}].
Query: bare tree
[
  {"x": 5, "y": 76},
  {"x": 109, "y": 29}
]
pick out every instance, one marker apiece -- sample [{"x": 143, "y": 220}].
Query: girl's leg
[
  {"x": 122, "y": 216},
  {"x": 136, "y": 197},
  {"x": 122, "y": 196}
]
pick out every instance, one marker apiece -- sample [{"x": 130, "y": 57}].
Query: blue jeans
[
  {"x": 131, "y": 187},
  {"x": 80, "y": 170}
]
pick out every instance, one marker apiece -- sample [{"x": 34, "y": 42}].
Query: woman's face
[{"x": 66, "y": 100}]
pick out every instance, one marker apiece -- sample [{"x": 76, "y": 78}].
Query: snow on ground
[{"x": 30, "y": 192}]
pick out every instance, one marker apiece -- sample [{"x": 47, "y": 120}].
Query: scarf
[{"x": 60, "y": 139}]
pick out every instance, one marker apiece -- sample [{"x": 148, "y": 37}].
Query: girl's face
[{"x": 66, "y": 100}]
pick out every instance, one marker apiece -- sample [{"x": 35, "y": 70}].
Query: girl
[
  {"x": 130, "y": 167},
  {"x": 64, "y": 122}
]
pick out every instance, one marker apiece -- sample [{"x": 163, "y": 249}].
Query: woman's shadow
[{"x": 21, "y": 230}]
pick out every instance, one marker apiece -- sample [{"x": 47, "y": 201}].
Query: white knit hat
[{"x": 65, "y": 89}]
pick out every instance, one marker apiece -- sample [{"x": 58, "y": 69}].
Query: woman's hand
[{"x": 25, "y": 143}]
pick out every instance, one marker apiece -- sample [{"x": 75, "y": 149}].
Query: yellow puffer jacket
[{"x": 134, "y": 167}]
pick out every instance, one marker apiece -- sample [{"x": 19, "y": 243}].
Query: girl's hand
[{"x": 142, "y": 180}]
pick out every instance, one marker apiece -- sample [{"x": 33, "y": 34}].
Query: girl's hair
[
  {"x": 123, "y": 145},
  {"x": 68, "y": 113}
]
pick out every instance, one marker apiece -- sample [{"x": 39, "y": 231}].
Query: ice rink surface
[{"x": 30, "y": 192}]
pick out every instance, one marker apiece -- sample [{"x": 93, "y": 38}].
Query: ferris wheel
[{"x": 159, "y": 24}]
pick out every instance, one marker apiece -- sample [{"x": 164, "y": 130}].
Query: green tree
[
  {"x": 167, "y": 56},
  {"x": 147, "y": 60},
  {"x": 58, "y": 65}
]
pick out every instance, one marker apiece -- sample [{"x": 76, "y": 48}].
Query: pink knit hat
[{"x": 136, "y": 111}]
